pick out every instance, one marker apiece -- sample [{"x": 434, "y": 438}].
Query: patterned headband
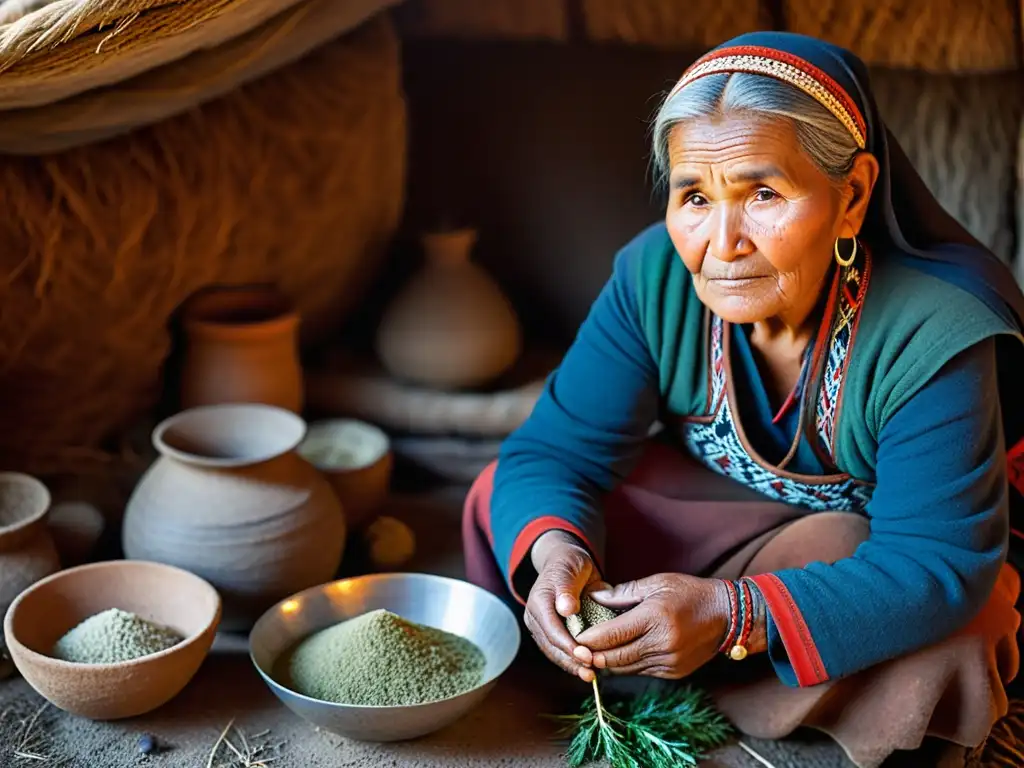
[{"x": 783, "y": 66}]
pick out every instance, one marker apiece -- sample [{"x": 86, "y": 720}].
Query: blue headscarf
[
  {"x": 906, "y": 222},
  {"x": 903, "y": 213}
]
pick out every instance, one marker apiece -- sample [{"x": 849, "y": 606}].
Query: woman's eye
[
  {"x": 765, "y": 195},
  {"x": 696, "y": 199}
]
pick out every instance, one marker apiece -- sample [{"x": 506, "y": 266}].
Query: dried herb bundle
[{"x": 664, "y": 727}]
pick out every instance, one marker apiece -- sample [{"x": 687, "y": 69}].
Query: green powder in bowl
[
  {"x": 114, "y": 636},
  {"x": 379, "y": 659}
]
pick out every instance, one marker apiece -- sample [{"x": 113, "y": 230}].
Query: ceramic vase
[
  {"x": 241, "y": 346},
  {"x": 451, "y": 327},
  {"x": 230, "y": 500},
  {"x": 27, "y": 551}
]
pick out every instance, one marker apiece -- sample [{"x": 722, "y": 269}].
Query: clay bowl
[
  {"x": 170, "y": 596},
  {"x": 356, "y": 459},
  {"x": 434, "y": 601}
]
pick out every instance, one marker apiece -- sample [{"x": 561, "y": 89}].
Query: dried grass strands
[
  {"x": 181, "y": 85},
  {"x": 297, "y": 178},
  {"x": 937, "y": 36},
  {"x": 74, "y": 46}
]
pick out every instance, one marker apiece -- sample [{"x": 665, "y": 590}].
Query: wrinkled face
[{"x": 753, "y": 218}]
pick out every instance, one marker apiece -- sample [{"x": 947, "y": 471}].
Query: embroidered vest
[{"x": 717, "y": 438}]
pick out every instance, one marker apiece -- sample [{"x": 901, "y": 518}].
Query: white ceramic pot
[
  {"x": 450, "y": 327},
  {"x": 230, "y": 500}
]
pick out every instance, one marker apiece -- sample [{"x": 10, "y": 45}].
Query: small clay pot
[
  {"x": 27, "y": 551},
  {"x": 241, "y": 347},
  {"x": 165, "y": 595},
  {"x": 230, "y": 500},
  {"x": 356, "y": 459}
]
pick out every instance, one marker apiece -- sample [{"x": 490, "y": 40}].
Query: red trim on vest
[
  {"x": 796, "y": 637},
  {"x": 533, "y": 531},
  {"x": 1015, "y": 465},
  {"x": 791, "y": 400}
]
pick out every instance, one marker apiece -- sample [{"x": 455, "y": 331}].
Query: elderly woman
[{"x": 778, "y": 438}]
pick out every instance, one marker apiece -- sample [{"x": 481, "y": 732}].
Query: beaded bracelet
[
  {"x": 730, "y": 635},
  {"x": 741, "y": 619}
]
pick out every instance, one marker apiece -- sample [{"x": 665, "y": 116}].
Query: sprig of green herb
[{"x": 665, "y": 727}]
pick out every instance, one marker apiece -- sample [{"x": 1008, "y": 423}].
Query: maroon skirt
[{"x": 673, "y": 515}]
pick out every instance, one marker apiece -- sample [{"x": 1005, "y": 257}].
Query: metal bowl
[{"x": 434, "y": 601}]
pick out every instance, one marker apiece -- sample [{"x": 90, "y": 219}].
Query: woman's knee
[
  {"x": 477, "y": 505},
  {"x": 820, "y": 537}
]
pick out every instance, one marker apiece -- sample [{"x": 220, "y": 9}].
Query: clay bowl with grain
[
  {"x": 356, "y": 459},
  {"x": 159, "y": 593},
  {"x": 452, "y": 605}
]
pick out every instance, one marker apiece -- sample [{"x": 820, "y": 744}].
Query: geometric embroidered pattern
[
  {"x": 716, "y": 444},
  {"x": 853, "y": 283},
  {"x": 715, "y": 441}
]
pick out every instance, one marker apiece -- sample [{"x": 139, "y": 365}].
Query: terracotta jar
[
  {"x": 451, "y": 327},
  {"x": 230, "y": 500},
  {"x": 241, "y": 347},
  {"x": 27, "y": 552}
]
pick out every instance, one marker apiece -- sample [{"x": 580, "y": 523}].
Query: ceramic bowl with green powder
[
  {"x": 113, "y": 639},
  {"x": 113, "y": 636},
  {"x": 385, "y": 657}
]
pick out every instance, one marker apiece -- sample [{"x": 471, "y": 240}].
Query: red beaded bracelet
[
  {"x": 741, "y": 619},
  {"x": 734, "y": 602},
  {"x": 739, "y": 651}
]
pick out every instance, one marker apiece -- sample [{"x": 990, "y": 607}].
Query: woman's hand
[
  {"x": 674, "y": 625},
  {"x": 565, "y": 569}
]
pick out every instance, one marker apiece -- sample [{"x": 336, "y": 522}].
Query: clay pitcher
[
  {"x": 27, "y": 551},
  {"x": 241, "y": 347},
  {"x": 230, "y": 500},
  {"x": 451, "y": 327}
]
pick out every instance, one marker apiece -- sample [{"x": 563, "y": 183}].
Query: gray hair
[{"x": 825, "y": 140}]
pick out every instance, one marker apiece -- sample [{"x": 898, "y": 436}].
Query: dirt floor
[{"x": 505, "y": 731}]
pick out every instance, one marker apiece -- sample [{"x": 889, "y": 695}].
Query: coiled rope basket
[{"x": 149, "y": 148}]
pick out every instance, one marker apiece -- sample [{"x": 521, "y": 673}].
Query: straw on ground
[{"x": 252, "y": 752}]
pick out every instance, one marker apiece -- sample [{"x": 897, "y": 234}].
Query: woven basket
[
  {"x": 693, "y": 25},
  {"x": 484, "y": 19},
  {"x": 297, "y": 178},
  {"x": 932, "y": 35},
  {"x": 961, "y": 134}
]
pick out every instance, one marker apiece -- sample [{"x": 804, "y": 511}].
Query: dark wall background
[{"x": 543, "y": 148}]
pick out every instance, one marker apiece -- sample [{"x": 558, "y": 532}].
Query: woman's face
[{"x": 753, "y": 217}]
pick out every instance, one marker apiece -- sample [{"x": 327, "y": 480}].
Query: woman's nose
[{"x": 728, "y": 241}]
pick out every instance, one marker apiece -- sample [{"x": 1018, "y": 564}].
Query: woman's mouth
[{"x": 735, "y": 283}]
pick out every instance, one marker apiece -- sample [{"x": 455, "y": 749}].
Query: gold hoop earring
[{"x": 847, "y": 261}]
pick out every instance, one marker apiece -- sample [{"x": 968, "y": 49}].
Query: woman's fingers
[
  {"x": 623, "y": 656},
  {"x": 555, "y": 654},
  {"x": 654, "y": 666},
  {"x": 628, "y": 594},
  {"x": 617, "y": 632},
  {"x": 556, "y": 596},
  {"x": 566, "y": 577}
]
